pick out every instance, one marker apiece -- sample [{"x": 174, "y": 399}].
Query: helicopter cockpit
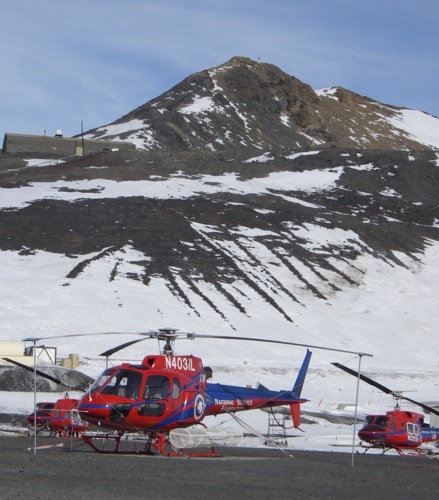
[
  {"x": 122, "y": 382},
  {"x": 378, "y": 420}
]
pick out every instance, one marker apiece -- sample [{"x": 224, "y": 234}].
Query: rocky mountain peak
[{"x": 249, "y": 104}]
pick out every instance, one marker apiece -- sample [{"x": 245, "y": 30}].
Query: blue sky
[{"x": 94, "y": 61}]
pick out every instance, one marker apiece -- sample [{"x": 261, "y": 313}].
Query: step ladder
[{"x": 276, "y": 432}]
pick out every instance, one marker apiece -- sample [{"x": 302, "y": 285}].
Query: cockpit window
[
  {"x": 124, "y": 383},
  {"x": 157, "y": 387},
  {"x": 100, "y": 381},
  {"x": 175, "y": 388},
  {"x": 382, "y": 421}
]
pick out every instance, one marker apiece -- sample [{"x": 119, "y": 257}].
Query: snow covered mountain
[{"x": 252, "y": 206}]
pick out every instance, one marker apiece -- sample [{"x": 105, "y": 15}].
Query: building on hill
[
  {"x": 59, "y": 145},
  {"x": 13, "y": 350}
]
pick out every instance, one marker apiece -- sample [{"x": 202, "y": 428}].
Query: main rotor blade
[
  {"x": 368, "y": 380},
  {"x": 422, "y": 405},
  {"x": 38, "y": 372},
  {"x": 385, "y": 389},
  {"x": 120, "y": 347},
  {"x": 171, "y": 332},
  {"x": 34, "y": 339},
  {"x": 162, "y": 334},
  {"x": 204, "y": 336}
]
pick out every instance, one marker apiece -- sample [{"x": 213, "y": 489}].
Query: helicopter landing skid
[
  {"x": 372, "y": 447},
  {"x": 161, "y": 440},
  {"x": 410, "y": 452},
  {"x": 92, "y": 440},
  {"x": 157, "y": 441},
  {"x": 403, "y": 452}
]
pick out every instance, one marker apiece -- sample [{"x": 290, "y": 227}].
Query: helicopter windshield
[
  {"x": 380, "y": 420},
  {"x": 100, "y": 381},
  {"x": 369, "y": 419},
  {"x": 125, "y": 383}
]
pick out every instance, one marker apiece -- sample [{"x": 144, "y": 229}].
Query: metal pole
[
  {"x": 356, "y": 409},
  {"x": 35, "y": 397},
  {"x": 82, "y": 138}
]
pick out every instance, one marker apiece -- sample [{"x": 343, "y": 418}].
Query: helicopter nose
[
  {"x": 93, "y": 409},
  {"x": 370, "y": 433}
]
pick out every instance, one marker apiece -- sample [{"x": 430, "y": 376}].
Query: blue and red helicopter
[
  {"x": 400, "y": 430},
  {"x": 166, "y": 395}
]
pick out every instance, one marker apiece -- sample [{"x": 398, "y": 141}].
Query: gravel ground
[{"x": 59, "y": 471}]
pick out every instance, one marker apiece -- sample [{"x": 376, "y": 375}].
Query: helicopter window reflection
[
  {"x": 157, "y": 387},
  {"x": 175, "y": 388}
]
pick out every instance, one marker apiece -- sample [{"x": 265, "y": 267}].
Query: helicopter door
[
  {"x": 160, "y": 394},
  {"x": 155, "y": 395},
  {"x": 173, "y": 400},
  {"x": 413, "y": 432}
]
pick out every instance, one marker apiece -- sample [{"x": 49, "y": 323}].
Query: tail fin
[{"x": 297, "y": 389}]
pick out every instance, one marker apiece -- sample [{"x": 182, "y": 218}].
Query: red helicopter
[
  {"x": 41, "y": 416},
  {"x": 60, "y": 418},
  {"x": 66, "y": 420},
  {"x": 400, "y": 430}
]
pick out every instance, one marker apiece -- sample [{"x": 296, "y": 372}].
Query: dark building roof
[{"x": 58, "y": 145}]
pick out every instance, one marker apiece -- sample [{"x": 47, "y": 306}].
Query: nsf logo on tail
[{"x": 199, "y": 407}]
